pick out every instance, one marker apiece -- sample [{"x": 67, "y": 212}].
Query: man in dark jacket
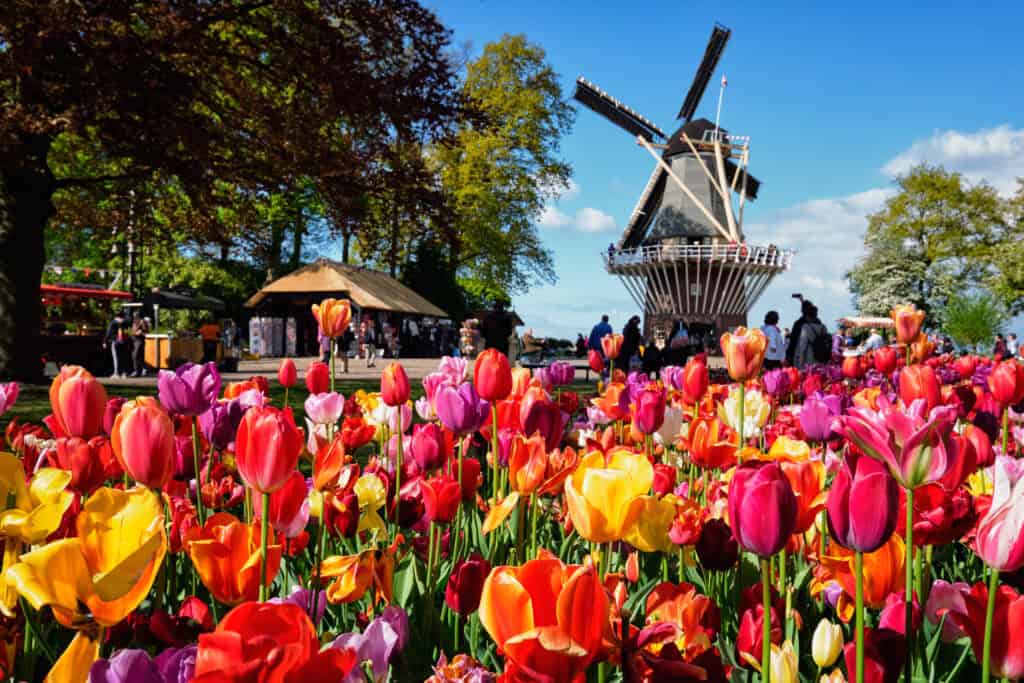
[{"x": 631, "y": 339}]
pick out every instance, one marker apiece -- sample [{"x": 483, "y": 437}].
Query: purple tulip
[
  {"x": 177, "y": 665},
  {"x": 948, "y": 375},
  {"x": 672, "y": 376},
  {"x": 776, "y": 382},
  {"x": 817, "y": 414},
  {"x": 324, "y": 409},
  {"x": 386, "y": 636},
  {"x": 219, "y": 424},
  {"x": 189, "y": 390},
  {"x": 303, "y": 597},
  {"x": 460, "y": 410},
  {"x": 126, "y": 666},
  {"x": 561, "y": 373},
  {"x": 543, "y": 375},
  {"x": 635, "y": 383},
  {"x": 506, "y": 435}
]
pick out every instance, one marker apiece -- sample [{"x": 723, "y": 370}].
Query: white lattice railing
[{"x": 770, "y": 256}]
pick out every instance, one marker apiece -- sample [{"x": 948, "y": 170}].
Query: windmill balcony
[{"x": 770, "y": 257}]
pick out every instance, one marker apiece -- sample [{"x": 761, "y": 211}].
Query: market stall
[
  {"x": 75, "y": 318},
  {"x": 185, "y": 343}
]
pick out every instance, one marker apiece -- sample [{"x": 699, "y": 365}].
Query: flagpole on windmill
[{"x": 718, "y": 113}]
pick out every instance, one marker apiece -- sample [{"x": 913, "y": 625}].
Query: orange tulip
[
  {"x": 744, "y": 352},
  {"x": 226, "y": 555},
  {"x": 333, "y": 316},
  {"x": 807, "y": 479},
  {"x": 545, "y": 616},
  {"x": 527, "y": 463},
  {"x": 523, "y": 381},
  {"x": 908, "y": 321},
  {"x": 696, "y": 616},
  {"x": 711, "y": 444},
  {"x": 920, "y": 349},
  {"x": 351, "y": 576},
  {"x": 394, "y": 385},
  {"x": 614, "y": 402},
  {"x": 78, "y": 401},
  {"x": 883, "y": 574},
  {"x": 611, "y": 345},
  {"x": 143, "y": 441}
]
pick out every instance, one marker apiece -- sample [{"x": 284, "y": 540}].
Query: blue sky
[{"x": 837, "y": 101}]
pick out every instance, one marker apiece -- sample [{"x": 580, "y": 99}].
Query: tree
[
  {"x": 972, "y": 321},
  {"x": 256, "y": 94},
  {"x": 937, "y": 236},
  {"x": 499, "y": 171}
]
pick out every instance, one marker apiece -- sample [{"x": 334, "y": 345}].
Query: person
[
  {"x": 368, "y": 341},
  {"x": 652, "y": 359},
  {"x": 809, "y": 342},
  {"x": 210, "y": 333},
  {"x": 999, "y": 348},
  {"x": 597, "y": 333},
  {"x": 581, "y": 345},
  {"x": 347, "y": 337},
  {"x": 532, "y": 344},
  {"x": 678, "y": 344},
  {"x": 1012, "y": 347},
  {"x": 631, "y": 339},
  {"x": 116, "y": 338},
  {"x": 947, "y": 346},
  {"x": 874, "y": 340},
  {"x": 140, "y": 328},
  {"x": 775, "y": 353},
  {"x": 497, "y": 327}
]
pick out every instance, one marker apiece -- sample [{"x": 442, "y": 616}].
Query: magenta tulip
[
  {"x": 649, "y": 410},
  {"x": 762, "y": 507},
  {"x": 817, "y": 413},
  {"x": 854, "y": 522},
  {"x": 460, "y": 409},
  {"x": 427, "y": 446}
]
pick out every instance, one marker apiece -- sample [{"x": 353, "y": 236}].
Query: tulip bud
[
  {"x": 885, "y": 359},
  {"x": 267, "y": 448},
  {"x": 1006, "y": 382},
  {"x": 907, "y": 321},
  {"x": 143, "y": 442},
  {"x": 287, "y": 375},
  {"x": 78, "y": 402},
  {"x": 826, "y": 643},
  {"x": 427, "y": 446},
  {"x": 318, "y": 377},
  {"x": 394, "y": 385},
  {"x": 762, "y": 507},
  {"x": 333, "y": 316},
  {"x": 920, "y": 381},
  {"x": 492, "y": 376},
  {"x": 465, "y": 584},
  {"x": 853, "y": 524}
]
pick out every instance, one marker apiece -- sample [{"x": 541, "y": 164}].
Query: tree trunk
[
  {"x": 26, "y": 193},
  {"x": 300, "y": 231}
]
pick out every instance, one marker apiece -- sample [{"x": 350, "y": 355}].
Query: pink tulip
[
  {"x": 853, "y": 524},
  {"x": 649, "y": 410},
  {"x": 324, "y": 409},
  {"x": 999, "y": 541},
  {"x": 762, "y": 507},
  {"x": 78, "y": 401},
  {"x": 8, "y": 396},
  {"x": 427, "y": 446},
  {"x": 143, "y": 442}
]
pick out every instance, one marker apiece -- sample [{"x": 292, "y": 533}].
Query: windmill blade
[
  {"x": 610, "y": 108},
  {"x": 712, "y": 53},
  {"x": 753, "y": 184}
]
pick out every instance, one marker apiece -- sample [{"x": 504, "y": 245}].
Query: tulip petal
[
  {"x": 506, "y": 608},
  {"x": 76, "y": 661},
  {"x": 499, "y": 513}
]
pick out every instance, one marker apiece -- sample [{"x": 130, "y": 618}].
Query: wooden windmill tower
[{"x": 683, "y": 253}]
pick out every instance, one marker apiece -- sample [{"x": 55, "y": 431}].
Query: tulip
[
  {"x": 883, "y": 574},
  {"x": 650, "y": 533},
  {"x": 1000, "y": 650},
  {"x": 826, "y": 643},
  {"x": 604, "y": 495},
  {"x": 999, "y": 541},
  {"x": 595, "y": 361},
  {"x": 219, "y": 424},
  {"x": 340, "y": 513},
  {"x": 854, "y": 525},
  {"x": 428, "y": 446},
  {"x": 8, "y": 396},
  {"x": 965, "y": 366},
  {"x": 1006, "y": 381},
  {"x": 100, "y": 575},
  {"x": 776, "y": 383},
  {"x": 807, "y": 479},
  {"x": 465, "y": 584},
  {"x": 920, "y": 382},
  {"x": 110, "y": 412},
  {"x": 883, "y": 653},
  {"x": 385, "y": 637},
  {"x": 352, "y": 576},
  {"x": 356, "y": 433},
  {"x": 852, "y": 368},
  {"x": 649, "y": 410},
  {"x": 289, "y": 506},
  {"x": 324, "y": 409},
  {"x": 318, "y": 377},
  {"x": 944, "y": 599},
  {"x": 78, "y": 401},
  {"x": 614, "y": 402},
  {"x": 267, "y": 448},
  {"x": 143, "y": 442},
  {"x": 710, "y": 444},
  {"x": 817, "y": 413},
  {"x": 545, "y": 616},
  {"x": 611, "y": 345},
  {"x": 333, "y": 316},
  {"x": 287, "y": 375},
  {"x": 90, "y": 462},
  {"x": 136, "y": 666},
  {"x": 460, "y": 409},
  {"x": 908, "y": 321},
  {"x": 984, "y": 456},
  {"x": 394, "y": 385},
  {"x": 226, "y": 554},
  {"x": 717, "y": 548},
  {"x": 545, "y": 418},
  {"x": 268, "y": 642},
  {"x": 784, "y": 665},
  {"x": 885, "y": 359},
  {"x": 762, "y": 507},
  {"x": 561, "y": 373},
  {"x": 492, "y": 376},
  {"x": 189, "y": 390},
  {"x": 745, "y": 411},
  {"x": 744, "y": 352}
]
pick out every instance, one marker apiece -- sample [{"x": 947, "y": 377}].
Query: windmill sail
[
  {"x": 610, "y": 108},
  {"x": 712, "y": 53}
]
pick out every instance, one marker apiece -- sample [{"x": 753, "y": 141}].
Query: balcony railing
[{"x": 770, "y": 256}]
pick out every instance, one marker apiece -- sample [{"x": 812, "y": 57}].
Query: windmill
[{"x": 683, "y": 254}]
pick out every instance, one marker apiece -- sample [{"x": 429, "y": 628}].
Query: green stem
[
  {"x": 494, "y": 451},
  {"x": 743, "y": 405},
  {"x": 264, "y": 523},
  {"x": 286, "y": 398},
  {"x": 908, "y": 613},
  {"x": 331, "y": 343},
  {"x": 858, "y": 568},
  {"x": 785, "y": 591},
  {"x": 1006, "y": 429},
  {"x": 990, "y": 610},
  {"x": 398, "y": 460},
  {"x": 199, "y": 473},
  {"x": 766, "y": 620},
  {"x": 534, "y": 513},
  {"x": 319, "y": 559}
]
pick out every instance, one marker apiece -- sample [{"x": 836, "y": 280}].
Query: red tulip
[
  {"x": 287, "y": 375},
  {"x": 664, "y": 479},
  {"x": 143, "y": 441},
  {"x": 394, "y": 385},
  {"x": 492, "y": 376},
  {"x": 852, "y": 523},
  {"x": 885, "y": 359},
  {"x": 289, "y": 506},
  {"x": 965, "y": 366},
  {"x": 695, "y": 380},
  {"x": 267, "y": 448},
  {"x": 427, "y": 446},
  {"x": 318, "y": 377},
  {"x": 90, "y": 462},
  {"x": 466, "y": 583},
  {"x": 852, "y": 368},
  {"x": 1007, "y": 653},
  {"x": 441, "y": 497},
  {"x": 595, "y": 361},
  {"x": 717, "y": 547},
  {"x": 982, "y": 445},
  {"x": 920, "y": 381},
  {"x": 649, "y": 410},
  {"x": 78, "y": 401},
  {"x": 941, "y": 515},
  {"x": 884, "y": 651},
  {"x": 762, "y": 507},
  {"x": 1007, "y": 382},
  {"x": 471, "y": 478}
]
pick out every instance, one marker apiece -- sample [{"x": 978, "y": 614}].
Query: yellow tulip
[
  {"x": 37, "y": 513},
  {"x": 826, "y": 643},
  {"x": 369, "y": 489},
  {"x": 605, "y": 497},
  {"x": 784, "y": 665},
  {"x": 789, "y": 449},
  {"x": 650, "y": 531},
  {"x": 755, "y": 411}
]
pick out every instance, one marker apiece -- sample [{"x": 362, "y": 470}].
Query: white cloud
[
  {"x": 571, "y": 192},
  {"x": 995, "y": 155},
  {"x": 589, "y": 219},
  {"x": 552, "y": 217}
]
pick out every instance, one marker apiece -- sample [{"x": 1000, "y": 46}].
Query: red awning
[{"x": 59, "y": 291}]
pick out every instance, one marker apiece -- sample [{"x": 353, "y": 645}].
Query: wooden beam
[{"x": 726, "y": 198}]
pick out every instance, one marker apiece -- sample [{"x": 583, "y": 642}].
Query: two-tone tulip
[
  {"x": 333, "y": 316},
  {"x": 394, "y": 385},
  {"x": 611, "y": 345},
  {"x": 78, "y": 401},
  {"x": 999, "y": 541},
  {"x": 744, "y": 352},
  {"x": 907, "y": 321},
  {"x": 143, "y": 441}
]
